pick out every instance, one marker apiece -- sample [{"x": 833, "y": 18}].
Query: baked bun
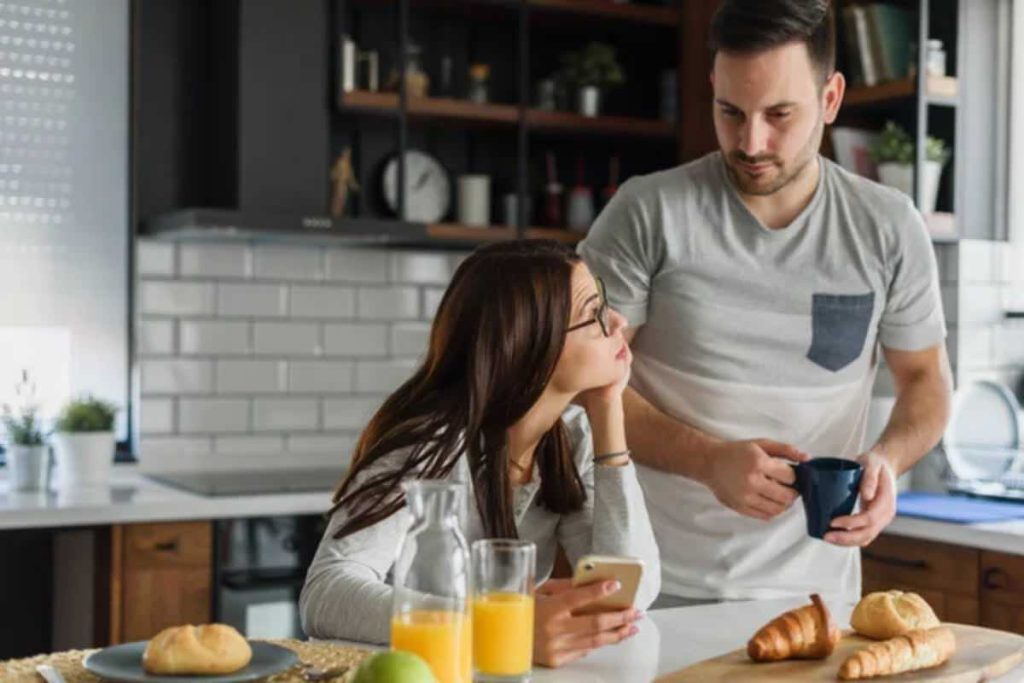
[
  {"x": 196, "y": 650},
  {"x": 888, "y": 614}
]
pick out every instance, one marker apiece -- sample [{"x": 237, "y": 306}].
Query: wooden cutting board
[{"x": 981, "y": 654}]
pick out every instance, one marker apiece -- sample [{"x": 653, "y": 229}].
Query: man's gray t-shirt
[{"x": 749, "y": 332}]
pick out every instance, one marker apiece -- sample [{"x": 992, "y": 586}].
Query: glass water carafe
[{"x": 430, "y": 614}]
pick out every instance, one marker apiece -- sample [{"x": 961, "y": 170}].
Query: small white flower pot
[
  {"x": 589, "y": 101},
  {"x": 27, "y": 467},
  {"x": 901, "y": 176},
  {"x": 82, "y": 458}
]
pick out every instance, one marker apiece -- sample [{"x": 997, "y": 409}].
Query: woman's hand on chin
[{"x": 601, "y": 400}]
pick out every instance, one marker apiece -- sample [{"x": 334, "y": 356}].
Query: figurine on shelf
[
  {"x": 479, "y": 74},
  {"x": 343, "y": 181},
  {"x": 552, "y": 195},
  {"x": 417, "y": 82}
]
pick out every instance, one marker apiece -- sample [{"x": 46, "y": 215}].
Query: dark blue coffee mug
[{"x": 829, "y": 488}]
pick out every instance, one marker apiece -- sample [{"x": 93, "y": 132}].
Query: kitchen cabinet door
[
  {"x": 1002, "y": 591},
  {"x": 946, "y": 576},
  {"x": 161, "y": 576}
]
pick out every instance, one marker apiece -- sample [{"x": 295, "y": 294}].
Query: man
[{"x": 761, "y": 281}]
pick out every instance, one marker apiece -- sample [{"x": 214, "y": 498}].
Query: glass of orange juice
[{"x": 502, "y": 610}]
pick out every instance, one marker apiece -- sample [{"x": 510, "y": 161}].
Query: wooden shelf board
[
  {"x": 538, "y": 119},
  {"x": 644, "y": 14},
  {"x": 465, "y": 233},
  {"x": 892, "y": 91},
  {"x": 506, "y": 115}
]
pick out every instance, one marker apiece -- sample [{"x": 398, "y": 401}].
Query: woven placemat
[{"x": 318, "y": 654}]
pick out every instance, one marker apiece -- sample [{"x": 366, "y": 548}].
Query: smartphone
[{"x": 626, "y": 570}]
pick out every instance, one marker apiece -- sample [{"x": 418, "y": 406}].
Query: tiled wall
[
  {"x": 990, "y": 276},
  {"x": 270, "y": 355}
]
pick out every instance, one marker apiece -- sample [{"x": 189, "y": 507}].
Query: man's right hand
[{"x": 749, "y": 477}]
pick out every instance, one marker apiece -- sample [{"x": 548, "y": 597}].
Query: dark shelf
[
  {"x": 220, "y": 225},
  {"x": 444, "y": 109},
  {"x": 607, "y": 9},
  {"x": 890, "y": 93}
]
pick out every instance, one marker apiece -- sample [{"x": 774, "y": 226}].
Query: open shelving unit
[{"x": 508, "y": 137}]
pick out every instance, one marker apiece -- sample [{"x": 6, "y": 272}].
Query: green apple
[{"x": 394, "y": 667}]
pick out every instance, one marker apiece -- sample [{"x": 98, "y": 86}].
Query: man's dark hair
[{"x": 750, "y": 26}]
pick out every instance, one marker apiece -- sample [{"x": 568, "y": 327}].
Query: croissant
[
  {"x": 919, "y": 649},
  {"x": 207, "y": 649},
  {"x": 808, "y": 632}
]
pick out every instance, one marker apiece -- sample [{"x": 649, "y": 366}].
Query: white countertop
[
  {"x": 671, "y": 639},
  {"x": 131, "y": 497}
]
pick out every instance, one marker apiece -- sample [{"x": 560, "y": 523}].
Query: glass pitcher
[{"x": 430, "y": 613}]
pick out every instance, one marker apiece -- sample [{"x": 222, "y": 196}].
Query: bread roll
[
  {"x": 196, "y": 650},
  {"x": 913, "y": 651},
  {"x": 888, "y": 614}
]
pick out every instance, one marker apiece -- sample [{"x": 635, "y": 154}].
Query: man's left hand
[{"x": 877, "y": 505}]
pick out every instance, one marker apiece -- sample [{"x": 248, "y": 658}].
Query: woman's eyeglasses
[{"x": 601, "y": 317}]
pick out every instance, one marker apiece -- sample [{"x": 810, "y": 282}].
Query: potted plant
[
  {"x": 591, "y": 71},
  {"x": 895, "y": 155},
  {"x": 26, "y": 452},
  {"x": 83, "y": 442}
]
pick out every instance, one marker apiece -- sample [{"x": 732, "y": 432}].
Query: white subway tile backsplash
[
  {"x": 350, "y": 412},
  {"x": 215, "y": 260},
  {"x": 252, "y": 300},
  {"x": 1009, "y": 344},
  {"x": 389, "y": 303},
  {"x": 156, "y": 416},
  {"x": 410, "y": 339},
  {"x": 431, "y": 302},
  {"x": 154, "y": 336},
  {"x": 158, "y": 297},
  {"x": 160, "y": 376},
  {"x": 250, "y": 376},
  {"x": 980, "y": 261},
  {"x": 357, "y": 265},
  {"x": 323, "y": 302},
  {"x": 285, "y": 414},
  {"x": 320, "y": 377},
  {"x": 980, "y": 304},
  {"x": 287, "y": 338},
  {"x": 154, "y": 258},
  {"x": 288, "y": 263},
  {"x": 213, "y": 415},
  {"x": 342, "y": 444},
  {"x": 249, "y": 445},
  {"x": 356, "y": 339},
  {"x": 420, "y": 268},
  {"x": 382, "y": 376},
  {"x": 167, "y": 450},
  {"x": 213, "y": 337}
]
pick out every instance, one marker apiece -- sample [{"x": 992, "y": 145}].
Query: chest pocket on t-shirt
[{"x": 839, "y": 327}]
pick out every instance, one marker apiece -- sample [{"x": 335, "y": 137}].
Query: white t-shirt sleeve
[
  {"x": 623, "y": 250},
  {"x": 912, "y": 319}
]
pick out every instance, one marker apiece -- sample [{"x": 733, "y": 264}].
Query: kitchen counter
[
  {"x": 131, "y": 497},
  {"x": 670, "y": 639}
]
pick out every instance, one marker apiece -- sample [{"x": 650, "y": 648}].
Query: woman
[{"x": 522, "y": 331}]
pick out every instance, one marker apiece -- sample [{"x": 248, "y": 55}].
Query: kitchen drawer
[
  {"x": 1002, "y": 591},
  {"x": 173, "y": 544},
  {"x": 894, "y": 561}
]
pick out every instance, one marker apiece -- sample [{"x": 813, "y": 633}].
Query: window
[{"x": 64, "y": 217}]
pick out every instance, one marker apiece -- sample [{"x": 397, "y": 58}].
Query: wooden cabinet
[
  {"x": 160, "y": 576},
  {"x": 944, "y": 575},
  {"x": 1002, "y": 591}
]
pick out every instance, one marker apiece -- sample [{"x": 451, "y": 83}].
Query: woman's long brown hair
[{"x": 496, "y": 339}]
